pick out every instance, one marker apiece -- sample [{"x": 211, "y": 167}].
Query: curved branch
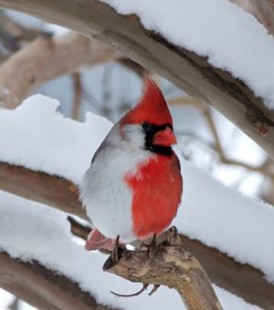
[
  {"x": 243, "y": 280},
  {"x": 171, "y": 265},
  {"x": 205, "y": 110},
  {"x": 45, "y": 59},
  {"x": 229, "y": 95},
  {"x": 43, "y": 288},
  {"x": 41, "y": 187}
]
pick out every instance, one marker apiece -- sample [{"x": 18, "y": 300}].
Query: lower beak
[{"x": 165, "y": 137}]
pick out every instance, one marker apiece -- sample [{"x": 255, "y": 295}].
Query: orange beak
[{"x": 165, "y": 137}]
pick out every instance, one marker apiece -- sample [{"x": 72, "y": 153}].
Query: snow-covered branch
[
  {"x": 185, "y": 68},
  {"x": 24, "y": 223},
  {"x": 262, "y": 10},
  {"x": 42, "y": 287},
  {"x": 243, "y": 280},
  {"x": 41, "y": 187},
  {"x": 41, "y": 139}
]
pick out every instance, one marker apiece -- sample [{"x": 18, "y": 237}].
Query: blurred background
[{"x": 110, "y": 84}]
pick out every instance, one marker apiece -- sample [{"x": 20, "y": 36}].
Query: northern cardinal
[{"x": 133, "y": 186}]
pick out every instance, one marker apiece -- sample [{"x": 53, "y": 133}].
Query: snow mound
[{"x": 231, "y": 38}]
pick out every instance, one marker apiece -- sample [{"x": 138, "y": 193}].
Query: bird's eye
[{"x": 146, "y": 126}]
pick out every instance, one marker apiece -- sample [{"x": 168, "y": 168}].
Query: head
[{"x": 149, "y": 124}]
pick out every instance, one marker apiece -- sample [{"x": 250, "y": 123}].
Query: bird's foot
[
  {"x": 150, "y": 247},
  {"x": 117, "y": 250},
  {"x": 97, "y": 241}
]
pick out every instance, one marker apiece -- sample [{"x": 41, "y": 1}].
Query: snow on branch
[
  {"x": 192, "y": 55},
  {"x": 24, "y": 223},
  {"x": 243, "y": 280},
  {"x": 41, "y": 287},
  {"x": 37, "y": 137},
  {"x": 53, "y": 191}
]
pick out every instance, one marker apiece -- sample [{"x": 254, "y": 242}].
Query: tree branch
[
  {"x": 243, "y": 280},
  {"x": 96, "y": 19},
  {"x": 171, "y": 265},
  {"x": 45, "y": 59},
  {"x": 41, "y": 187},
  {"x": 43, "y": 288},
  {"x": 77, "y": 95},
  {"x": 206, "y": 111}
]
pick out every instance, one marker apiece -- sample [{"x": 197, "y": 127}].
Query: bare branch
[
  {"x": 19, "y": 32},
  {"x": 222, "y": 155},
  {"x": 229, "y": 95},
  {"x": 45, "y": 59},
  {"x": 205, "y": 109},
  {"x": 77, "y": 98},
  {"x": 133, "y": 66},
  {"x": 171, "y": 265}
]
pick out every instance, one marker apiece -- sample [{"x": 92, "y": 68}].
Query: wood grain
[{"x": 184, "y": 68}]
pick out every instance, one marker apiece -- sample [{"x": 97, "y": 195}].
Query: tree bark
[
  {"x": 187, "y": 70},
  {"x": 168, "y": 264},
  {"x": 242, "y": 280},
  {"x": 43, "y": 288},
  {"x": 41, "y": 187},
  {"x": 45, "y": 59}
]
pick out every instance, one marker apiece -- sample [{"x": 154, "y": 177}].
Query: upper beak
[{"x": 165, "y": 137}]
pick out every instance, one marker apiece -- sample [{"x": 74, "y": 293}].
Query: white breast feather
[{"x": 104, "y": 192}]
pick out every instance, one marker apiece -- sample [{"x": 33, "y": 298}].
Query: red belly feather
[{"x": 157, "y": 191}]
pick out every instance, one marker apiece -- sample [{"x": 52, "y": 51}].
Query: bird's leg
[
  {"x": 153, "y": 244},
  {"x": 155, "y": 288},
  {"x": 132, "y": 295},
  {"x": 150, "y": 246},
  {"x": 117, "y": 250}
]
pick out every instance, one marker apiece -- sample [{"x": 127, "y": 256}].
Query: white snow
[
  {"x": 36, "y": 136},
  {"x": 24, "y": 224},
  {"x": 6, "y": 299},
  {"x": 223, "y": 218},
  {"x": 231, "y": 38}
]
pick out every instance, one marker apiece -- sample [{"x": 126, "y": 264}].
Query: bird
[{"x": 133, "y": 187}]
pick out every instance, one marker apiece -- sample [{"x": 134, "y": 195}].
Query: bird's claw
[
  {"x": 117, "y": 250},
  {"x": 150, "y": 247}
]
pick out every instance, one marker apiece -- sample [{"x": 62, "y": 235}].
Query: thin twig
[
  {"x": 77, "y": 95},
  {"x": 206, "y": 111}
]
